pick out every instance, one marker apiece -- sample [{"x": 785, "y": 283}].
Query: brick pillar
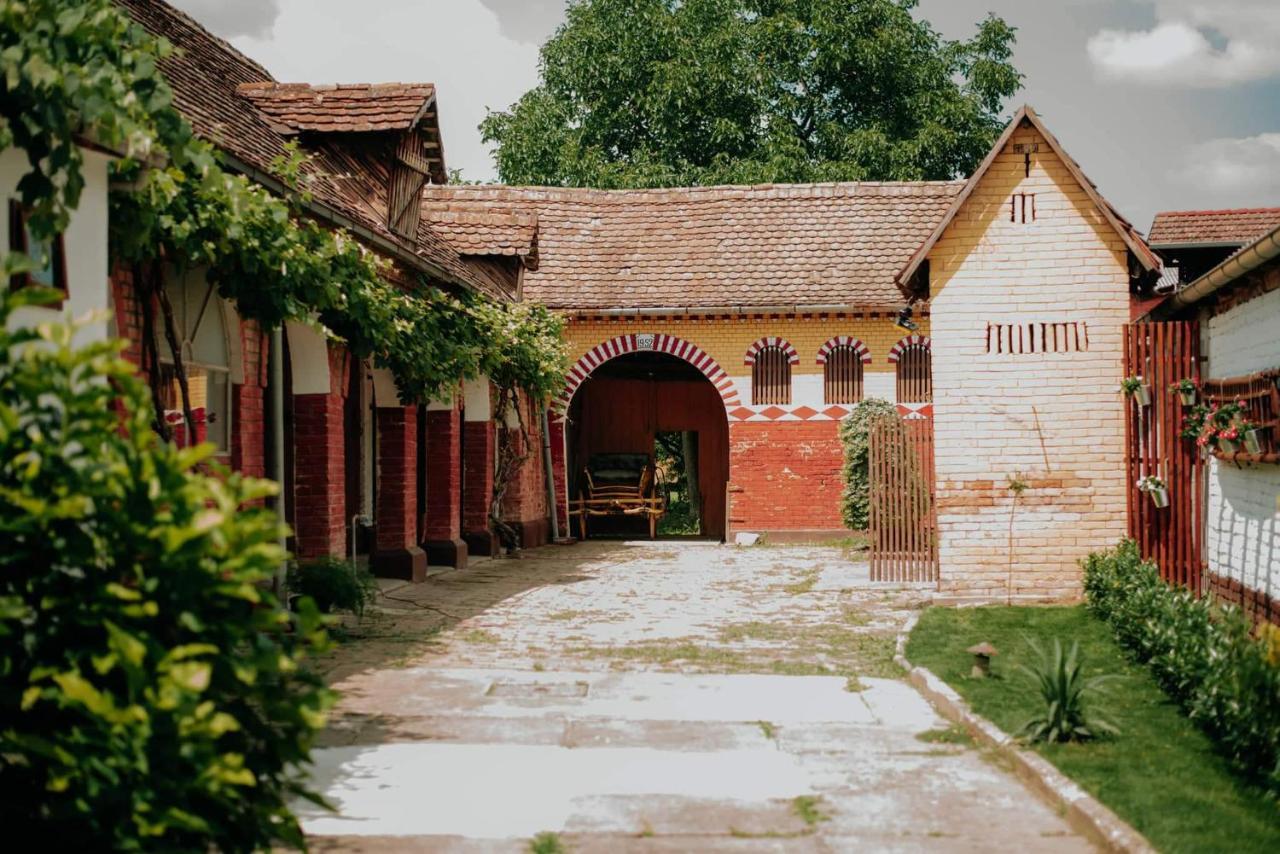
[
  {"x": 477, "y": 487},
  {"x": 396, "y": 551},
  {"x": 319, "y": 492},
  {"x": 559, "y": 474},
  {"x": 248, "y": 428},
  {"x": 443, "y": 529}
]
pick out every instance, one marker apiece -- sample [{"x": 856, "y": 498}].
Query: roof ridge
[
  {"x": 498, "y": 192},
  {"x": 332, "y": 87},
  {"x": 170, "y": 9}
]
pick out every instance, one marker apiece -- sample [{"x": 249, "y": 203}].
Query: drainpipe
[
  {"x": 551, "y": 479},
  {"x": 276, "y": 359}
]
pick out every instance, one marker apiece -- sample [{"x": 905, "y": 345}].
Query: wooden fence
[
  {"x": 903, "y": 516},
  {"x": 1163, "y": 353}
]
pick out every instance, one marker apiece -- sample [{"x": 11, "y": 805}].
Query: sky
[{"x": 1166, "y": 104}]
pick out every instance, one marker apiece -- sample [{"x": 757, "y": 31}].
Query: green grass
[
  {"x": 547, "y": 843},
  {"x": 1160, "y": 774},
  {"x": 809, "y": 809}
]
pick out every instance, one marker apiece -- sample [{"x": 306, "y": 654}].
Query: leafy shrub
[
  {"x": 854, "y": 435},
  {"x": 1202, "y": 653},
  {"x": 150, "y": 689},
  {"x": 1063, "y": 686},
  {"x": 333, "y": 584}
]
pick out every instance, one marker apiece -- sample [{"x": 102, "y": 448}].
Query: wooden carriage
[{"x": 619, "y": 485}]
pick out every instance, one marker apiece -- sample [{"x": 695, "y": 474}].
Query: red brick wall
[
  {"x": 319, "y": 493},
  {"x": 444, "y": 475},
  {"x": 785, "y": 476},
  {"x": 128, "y": 312},
  {"x": 478, "y": 467},
  {"x": 397, "y": 528},
  {"x": 526, "y": 498},
  {"x": 248, "y": 421}
]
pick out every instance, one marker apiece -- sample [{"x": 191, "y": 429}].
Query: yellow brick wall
[
  {"x": 727, "y": 339},
  {"x": 1052, "y": 420}
]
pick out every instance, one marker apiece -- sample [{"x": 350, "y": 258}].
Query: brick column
[
  {"x": 477, "y": 487},
  {"x": 396, "y": 551},
  {"x": 320, "y": 501},
  {"x": 443, "y": 529},
  {"x": 555, "y": 430}
]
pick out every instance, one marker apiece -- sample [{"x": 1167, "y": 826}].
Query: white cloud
[
  {"x": 1194, "y": 43},
  {"x": 1244, "y": 171},
  {"x": 456, "y": 44},
  {"x": 231, "y": 18}
]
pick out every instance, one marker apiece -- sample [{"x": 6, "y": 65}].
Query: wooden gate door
[
  {"x": 1163, "y": 353},
  {"x": 903, "y": 517}
]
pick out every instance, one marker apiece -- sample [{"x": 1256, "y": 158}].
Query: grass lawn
[{"x": 1160, "y": 774}]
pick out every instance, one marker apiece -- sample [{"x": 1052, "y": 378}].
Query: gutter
[
  {"x": 331, "y": 216},
  {"x": 736, "y": 310},
  {"x": 1248, "y": 259}
]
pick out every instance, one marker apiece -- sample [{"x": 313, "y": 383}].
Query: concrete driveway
[{"x": 669, "y": 696}]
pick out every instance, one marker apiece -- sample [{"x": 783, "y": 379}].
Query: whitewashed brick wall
[
  {"x": 1242, "y": 538},
  {"x": 1053, "y": 420}
]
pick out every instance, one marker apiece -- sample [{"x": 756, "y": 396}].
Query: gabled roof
[
  {"x": 346, "y": 107},
  {"x": 204, "y": 72},
  {"x": 1026, "y": 115},
  {"x": 1221, "y": 228},
  {"x": 769, "y": 246}
]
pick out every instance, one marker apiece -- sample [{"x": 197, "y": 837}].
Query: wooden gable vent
[{"x": 410, "y": 172}]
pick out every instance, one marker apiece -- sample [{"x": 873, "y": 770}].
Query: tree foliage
[
  {"x": 640, "y": 93},
  {"x": 150, "y": 689}
]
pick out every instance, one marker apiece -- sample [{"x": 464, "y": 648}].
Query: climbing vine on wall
[{"x": 86, "y": 71}]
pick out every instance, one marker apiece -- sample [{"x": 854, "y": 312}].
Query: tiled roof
[
  {"x": 1226, "y": 228},
  {"x": 204, "y": 73},
  {"x": 486, "y": 232},
  {"x": 784, "y": 245},
  {"x": 349, "y": 107}
]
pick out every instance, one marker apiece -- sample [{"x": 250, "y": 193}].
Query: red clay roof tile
[
  {"x": 1222, "y": 227},
  {"x": 769, "y": 245}
]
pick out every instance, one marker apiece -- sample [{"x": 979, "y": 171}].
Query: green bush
[
  {"x": 854, "y": 435},
  {"x": 1203, "y": 654},
  {"x": 150, "y": 689},
  {"x": 333, "y": 584}
]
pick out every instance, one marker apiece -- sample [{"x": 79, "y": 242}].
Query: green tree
[{"x": 673, "y": 92}]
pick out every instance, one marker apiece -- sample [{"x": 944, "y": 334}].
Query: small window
[
  {"x": 1018, "y": 338},
  {"x": 915, "y": 374},
  {"x": 1022, "y": 208},
  {"x": 771, "y": 376},
  {"x": 842, "y": 375},
  {"x": 49, "y": 255},
  {"x": 202, "y": 333}
]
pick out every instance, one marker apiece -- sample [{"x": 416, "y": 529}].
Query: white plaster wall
[
  {"x": 86, "y": 246},
  {"x": 1242, "y": 538}
]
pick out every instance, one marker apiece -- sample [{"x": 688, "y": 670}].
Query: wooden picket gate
[
  {"x": 1163, "y": 353},
  {"x": 902, "y": 514}
]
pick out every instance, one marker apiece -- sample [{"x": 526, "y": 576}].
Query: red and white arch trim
[
  {"x": 771, "y": 341},
  {"x": 843, "y": 341},
  {"x": 646, "y": 342},
  {"x": 909, "y": 341}
]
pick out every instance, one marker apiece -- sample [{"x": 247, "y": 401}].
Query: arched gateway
[
  {"x": 638, "y": 342},
  {"x": 637, "y": 393}
]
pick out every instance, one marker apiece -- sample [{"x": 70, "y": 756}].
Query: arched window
[
  {"x": 915, "y": 370},
  {"x": 201, "y": 330},
  {"x": 770, "y": 360},
  {"x": 842, "y": 358}
]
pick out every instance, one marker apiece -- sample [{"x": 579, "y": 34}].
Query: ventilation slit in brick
[{"x": 1017, "y": 338}]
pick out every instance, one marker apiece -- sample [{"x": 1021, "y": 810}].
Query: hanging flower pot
[
  {"x": 1228, "y": 446},
  {"x": 1135, "y": 388},
  {"x": 1186, "y": 390},
  {"x": 1253, "y": 440},
  {"x": 1156, "y": 489}
]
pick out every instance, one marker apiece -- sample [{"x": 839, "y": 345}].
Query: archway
[{"x": 636, "y": 397}]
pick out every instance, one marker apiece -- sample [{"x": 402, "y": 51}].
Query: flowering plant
[
  {"x": 1212, "y": 423},
  {"x": 1184, "y": 386},
  {"x": 1150, "y": 483},
  {"x": 1130, "y": 385}
]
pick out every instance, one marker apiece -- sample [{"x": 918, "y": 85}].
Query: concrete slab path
[{"x": 669, "y": 696}]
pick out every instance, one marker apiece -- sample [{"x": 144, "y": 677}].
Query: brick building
[
  {"x": 401, "y": 482},
  {"x": 781, "y": 301}
]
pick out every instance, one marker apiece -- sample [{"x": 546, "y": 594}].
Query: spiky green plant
[{"x": 1063, "y": 686}]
